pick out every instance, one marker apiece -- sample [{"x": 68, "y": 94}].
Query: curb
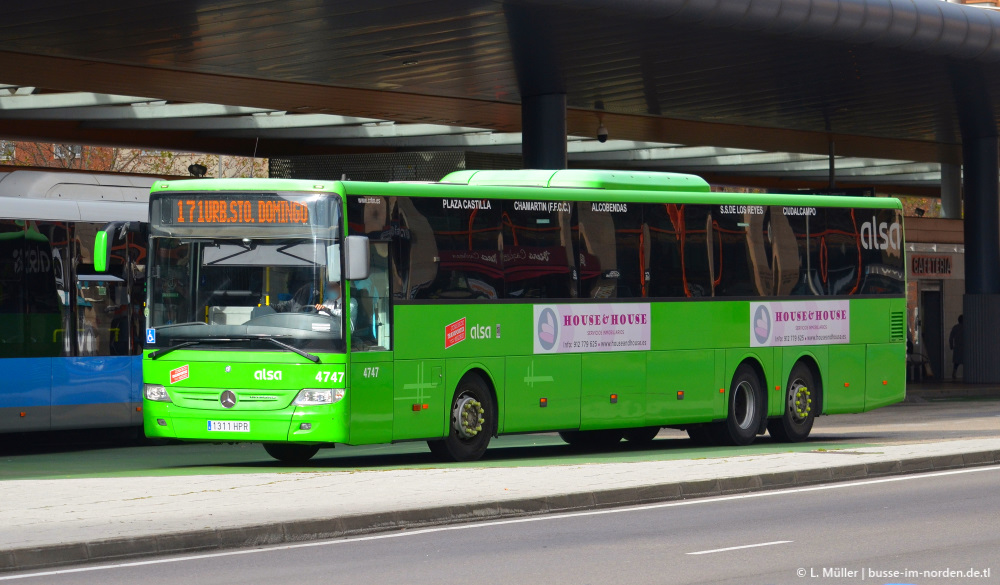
[{"x": 120, "y": 549}]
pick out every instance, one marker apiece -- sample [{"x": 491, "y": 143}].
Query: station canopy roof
[{"x": 744, "y": 92}]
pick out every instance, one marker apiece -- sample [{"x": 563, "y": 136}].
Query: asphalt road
[
  {"x": 908, "y": 529},
  {"x": 54, "y": 455}
]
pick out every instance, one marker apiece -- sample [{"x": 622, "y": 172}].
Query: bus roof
[
  {"x": 568, "y": 184},
  {"x": 245, "y": 184},
  {"x": 32, "y": 184},
  {"x": 583, "y": 179},
  {"x": 67, "y": 196}
]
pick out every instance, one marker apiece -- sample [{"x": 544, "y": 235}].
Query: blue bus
[{"x": 70, "y": 338}]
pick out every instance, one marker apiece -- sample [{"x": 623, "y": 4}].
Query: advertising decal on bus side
[
  {"x": 584, "y": 328},
  {"x": 800, "y": 323}
]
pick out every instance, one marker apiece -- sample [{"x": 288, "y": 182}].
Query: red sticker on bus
[
  {"x": 454, "y": 333},
  {"x": 178, "y": 374}
]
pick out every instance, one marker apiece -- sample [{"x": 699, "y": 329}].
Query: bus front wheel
[
  {"x": 801, "y": 396},
  {"x": 746, "y": 408},
  {"x": 473, "y": 422},
  {"x": 290, "y": 452}
]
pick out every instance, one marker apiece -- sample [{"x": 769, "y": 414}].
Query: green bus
[{"x": 601, "y": 305}]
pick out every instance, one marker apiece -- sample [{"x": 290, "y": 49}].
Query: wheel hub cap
[
  {"x": 467, "y": 417},
  {"x": 799, "y": 401}
]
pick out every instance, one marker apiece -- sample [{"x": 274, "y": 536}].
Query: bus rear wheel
[
  {"x": 290, "y": 452},
  {"x": 746, "y": 409},
  {"x": 801, "y": 396},
  {"x": 473, "y": 422}
]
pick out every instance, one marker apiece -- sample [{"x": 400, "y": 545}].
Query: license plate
[{"x": 229, "y": 426}]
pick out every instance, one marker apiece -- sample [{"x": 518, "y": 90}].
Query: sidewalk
[{"x": 53, "y": 522}]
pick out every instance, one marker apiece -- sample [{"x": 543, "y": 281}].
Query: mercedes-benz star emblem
[{"x": 228, "y": 399}]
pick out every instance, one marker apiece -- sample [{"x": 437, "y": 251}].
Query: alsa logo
[
  {"x": 267, "y": 375},
  {"x": 480, "y": 332},
  {"x": 455, "y": 333},
  {"x": 881, "y": 236}
]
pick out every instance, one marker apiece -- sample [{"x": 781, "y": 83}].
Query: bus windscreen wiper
[
  {"x": 166, "y": 350},
  {"x": 162, "y": 352},
  {"x": 314, "y": 359}
]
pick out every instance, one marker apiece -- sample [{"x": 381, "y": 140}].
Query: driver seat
[{"x": 261, "y": 311}]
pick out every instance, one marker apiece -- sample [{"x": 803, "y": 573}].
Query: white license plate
[{"x": 229, "y": 426}]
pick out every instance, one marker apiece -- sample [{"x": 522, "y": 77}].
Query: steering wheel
[{"x": 323, "y": 310}]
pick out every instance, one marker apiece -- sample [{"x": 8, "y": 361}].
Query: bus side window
[
  {"x": 733, "y": 269},
  {"x": 373, "y": 329},
  {"x": 33, "y": 297},
  {"x": 102, "y": 299},
  {"x": 841, "y": 272},
  {"x": 792, "y": 253},
  {"x": 453, "y": 253},
  {"x": 538, "y": 259},
  {"x": 665, "y": 228},
  {"x": 883, "y": 271},
  {"x": 610, "y": 250}
]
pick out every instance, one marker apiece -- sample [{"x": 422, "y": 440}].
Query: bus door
[
  {"x": 95, "y": 387},
  {"x": 371, "y": 384}
]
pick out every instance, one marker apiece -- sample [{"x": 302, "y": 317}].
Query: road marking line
[
  {"x": 542, "y": 518},
  {"x": 715, "y": 550}
]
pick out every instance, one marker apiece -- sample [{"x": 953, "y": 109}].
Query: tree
[{"x": 127, "y": 160}]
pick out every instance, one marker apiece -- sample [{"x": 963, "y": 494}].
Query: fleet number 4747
[{"x": 334, "y": 377}]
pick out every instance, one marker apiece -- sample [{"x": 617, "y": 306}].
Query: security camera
[{"x": 602, "y": 134}]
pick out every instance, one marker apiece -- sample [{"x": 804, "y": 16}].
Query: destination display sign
[{"x": 259, "y": 209}]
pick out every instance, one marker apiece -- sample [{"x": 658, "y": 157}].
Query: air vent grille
[{"x": 897, "y": 326}]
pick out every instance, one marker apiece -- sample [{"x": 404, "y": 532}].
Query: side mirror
[
  {"x": 104, "y": 239},
  {"x": 357, "y": 258},
  {"x": 102, "y": 251}
]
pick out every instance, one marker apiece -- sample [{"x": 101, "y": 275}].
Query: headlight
[
  {"x": 313, "y": 396},
  {"x": 156, "y": 392}
]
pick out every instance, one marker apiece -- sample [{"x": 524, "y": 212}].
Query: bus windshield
[{"x": 267, "y": 284}]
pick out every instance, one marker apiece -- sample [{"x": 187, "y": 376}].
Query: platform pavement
[{"x": 46, "y": 523}]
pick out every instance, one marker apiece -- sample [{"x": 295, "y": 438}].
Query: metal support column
[
  {"x": 981, "y": 303},
  {"x": 543, "y": 131},
  {"x": 539, "y": 65}
]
